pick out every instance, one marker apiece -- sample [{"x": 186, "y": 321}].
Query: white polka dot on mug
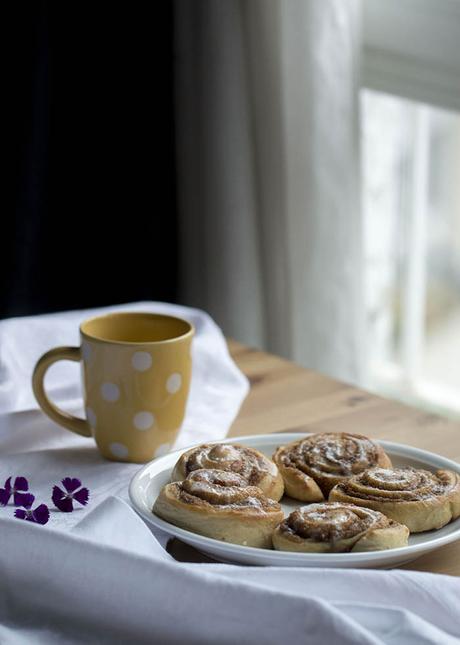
[
  {"x": 110, "y": 392},
  {"x": 173, "y": 383},
  {"x": 143, "y": 420},
  {"x": 119, "y": 450},
  {"x": 141, "y": 361}
]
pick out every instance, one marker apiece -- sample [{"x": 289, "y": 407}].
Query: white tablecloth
[{"x": 99, "y": 575}]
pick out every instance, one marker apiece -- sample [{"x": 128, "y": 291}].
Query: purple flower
[
  {"x": 20, "y": 484},
  {"x": 39, "y": 515},
  {"x": 63, "y": 500}
]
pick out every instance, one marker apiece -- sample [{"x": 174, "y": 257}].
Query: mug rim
[{"x": 189, "y": 333}]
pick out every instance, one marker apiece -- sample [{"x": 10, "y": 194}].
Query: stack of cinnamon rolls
[{"x": 354, "y": 500}]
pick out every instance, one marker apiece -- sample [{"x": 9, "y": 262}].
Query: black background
[{"x": 89, "y": 214}]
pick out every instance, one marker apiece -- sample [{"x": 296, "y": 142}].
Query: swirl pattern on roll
[
  {"x": 327, "y": 459},
  {"x": 224, "y": 489},
  {"x": 251, "y": 464},
  {"x": 420, "y": 499},
  {"x": 398, "y": 484},
  {"x": 221, "y": 505},
  {"x": 337, "y": 527}
]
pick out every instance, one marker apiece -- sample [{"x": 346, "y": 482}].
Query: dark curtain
[{"x": 89, "y": 214}]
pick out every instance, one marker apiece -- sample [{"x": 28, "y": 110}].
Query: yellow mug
[{"x": 136, "y": 370}]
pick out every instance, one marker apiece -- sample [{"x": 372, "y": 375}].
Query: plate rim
[{"x": 396, "y": 448}]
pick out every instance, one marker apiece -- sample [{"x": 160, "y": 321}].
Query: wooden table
[{"x": 287, "y": 398}]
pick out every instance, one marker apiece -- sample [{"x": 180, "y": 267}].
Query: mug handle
[{"x": 80, "y": 426}]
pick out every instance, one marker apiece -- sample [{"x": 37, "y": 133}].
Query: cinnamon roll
[
  {"x": 251, "y": 464},
  {"x": 221, "y": 505},
  {"x": 333, "y": 527},
  {"x": 312, "y": 466},
  {"x": 417, "y": 498}
]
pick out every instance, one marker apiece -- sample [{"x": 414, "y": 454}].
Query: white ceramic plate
[{"x": 147, "y": 483}]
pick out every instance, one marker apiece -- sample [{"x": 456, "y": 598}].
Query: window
[{"x": 410, "y": 108}]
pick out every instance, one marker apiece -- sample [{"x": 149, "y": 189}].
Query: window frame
[{"x": 411, "y": 48}]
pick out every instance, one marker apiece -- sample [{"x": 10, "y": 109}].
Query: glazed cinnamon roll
[
  {"x": 417, "y": 498},
  {"x": 220, "y": 505},
  {"x": 312, "y": 466},
  {"x": 251, "y": 464},
  {"x": 333, "y": 527}
]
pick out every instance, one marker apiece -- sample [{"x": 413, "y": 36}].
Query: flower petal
[
  {"x": 27, "y": 500},
  {"x": 61, "y": 501},
  {"x": 20, "y": 513},
  {"x": 41, "y": 514},
  {"x": 21, "y": 483},
  {"x": 4, "y": 496},
  {"x": 82, "y": 496},
  {"x": 57, "y": 495},
  {"x": 22, "y": 499},
  {"x": 65, "y": 505},
  {"x": 71, "y": 484},
  {"x": 8, "y": 485}
]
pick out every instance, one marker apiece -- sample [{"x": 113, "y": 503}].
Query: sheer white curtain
[{"x": 268, "y": 165}]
